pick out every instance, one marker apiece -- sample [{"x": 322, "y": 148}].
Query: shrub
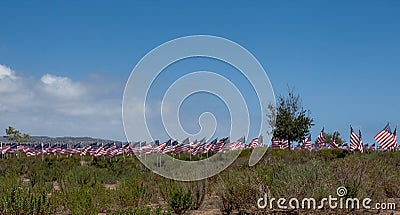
[
  {"x": 199, "y": 189},
  {"x": 79, "y": 200},
  {"x": 79, "y": 176},
  {"x": 240, "y": 191},
  {"x": 20, "y": 201},
  {"x": 178, "y": 195},
  {"x": 143, "y": 210},
  {"x": 311, "y": 178},
  {"x": 133, "y": 192}
]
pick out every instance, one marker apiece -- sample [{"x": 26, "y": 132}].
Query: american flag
[
  {"x": 279, "y": 144},
  {"x": 99, "y": 151},
  {"x": 170, "y": 147},
  {"x": 386, "y": 138},
  {"x": 86, "y": 149},
  {"x": 276, "y": 143},
  {"x": 394, "y": 137},
  {"x": 369, "y": 147},
  {"x": 159, "y": 149},
  {"x": 355, "y": 140},
  {"x": 111, "y": 151},
  {"x": 5, "y": 149},
  {"x": 200, "y": 148},
  {"x": 209, "y": 146},
  {"x": 321, "y": 138},
  {"x": 307, "y": 142},
  {"x": 256, "y": 142},
  {"x": 253, "y": 143},
  {"x": 219, "y": 145},
  {"x": 197, "y": 146},
  {"x": 182, "y": 147},
  {"x": 285, "y": 144},
  {"x": 333, "y": 141},
  {"x": 193, "y": 146},
  {"x": 239, "y": 144},
  {"x": 146, "y": 149},
  {"x": 360, "y": 146}
]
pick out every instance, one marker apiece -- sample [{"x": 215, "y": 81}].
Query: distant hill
[{"x": 64, "y": 140}]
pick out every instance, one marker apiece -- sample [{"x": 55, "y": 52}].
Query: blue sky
[{"x": 343, "y": 57}]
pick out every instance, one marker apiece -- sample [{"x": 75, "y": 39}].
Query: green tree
[
  {"x": 14, "y": 135},
  {"x": 289, "y": 120},
  {"x": 338, "y": 139}
]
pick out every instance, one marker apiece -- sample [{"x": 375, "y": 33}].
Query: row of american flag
[
  {"x": 386, "y": 139},
  {"x": 115, "y": 149}
]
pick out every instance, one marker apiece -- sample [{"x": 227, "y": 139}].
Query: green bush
[
  {"x": 303, "y": 180},
  {"x": 199, "y": 189},
  {"x": 79, "y": 176},
  {"x": 143, "y": 210},
  {"x": 133, "y": 192},
  {"x": 240, "y": 191},
  {"x": 330, "y": 154},
  {"x": 280, "y": 173},
  {"x": 80, "y": 200},
  {"x": 178, "y": 195},
  {"x": 19, "y": 201}
]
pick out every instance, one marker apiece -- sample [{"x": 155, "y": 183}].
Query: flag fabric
[
  {"x": 146, "y": 149},
  {"x": 86, "y": 149},
  {"x": 360, "y": 145},
  {"x": 169, "y": 148},
  {"x": 159, "y": 149},
  {"x": 307, "y": 142},
  {"x": 276, "y": 143},
  {"x": 333, "y": 141},
  {"x": 239, "y": 144},
  {"x": 321, "y": 138},
  {"x": 284, "y": 144},
  {"x": 279, "y": 144},
  {"x": 5, "y": 149},
  {"x": 193, "y": 146},
  {"x": 182, "y": 147},
  {"x": 198, "y": 147},
  {"x": 254, "y": 143},
  {"x": 386, "y": 139},
  {"x": 354, "y": 140},
  {"x": 219, "y": 145},
  {"x": 210, "y": 145}
]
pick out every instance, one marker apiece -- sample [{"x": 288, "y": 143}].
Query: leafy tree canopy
[
  {"x": 14, "y": 135},
  {"x": 338, "y": 139},
  {"x": 289, "y": 120}
]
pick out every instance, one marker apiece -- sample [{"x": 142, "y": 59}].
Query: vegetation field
[{"x": 122, "y": 185}]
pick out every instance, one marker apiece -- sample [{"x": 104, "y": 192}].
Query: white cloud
[
  {"x": 61, "y": 87},
  {"x": 6, "y": 72},
  {"x": 8, "y": 80},
  {"x": 59, "y": 106}
]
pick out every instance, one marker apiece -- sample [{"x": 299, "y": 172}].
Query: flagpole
[
  {"x": 42, "y": 151},
  {"x": 81, "y": 155}
]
